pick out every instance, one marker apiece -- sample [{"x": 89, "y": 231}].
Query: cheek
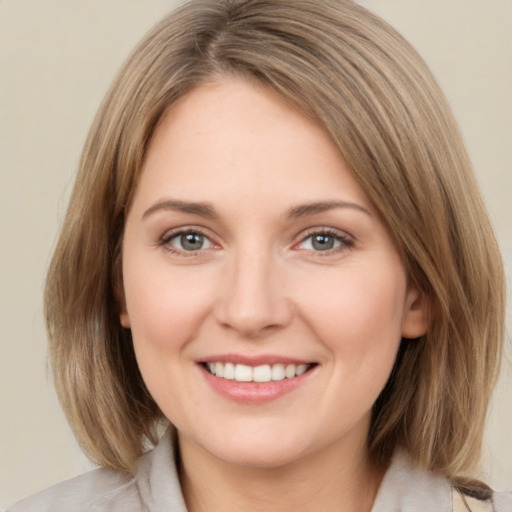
[
  {"x": 165, "y": 307},
  {"x": 359, "y": 320},
  {"x": 165, "y": 310}
]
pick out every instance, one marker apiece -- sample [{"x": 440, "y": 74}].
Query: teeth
[
  {"x": 243, "y": 373},
  {"x": 229, "y": 371},
  {"x": 290, "y": 371},
  {"x": 301, "y": 369},
  {"x": 219, "y": 369},
  {"x": 277, "y": 372},
  {"x": 262, "y": 373}
]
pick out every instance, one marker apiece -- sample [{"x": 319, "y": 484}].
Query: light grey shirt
[{"x": 155, "y": 487}]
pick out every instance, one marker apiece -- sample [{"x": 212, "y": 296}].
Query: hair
[{"x": 378, "y": 101}]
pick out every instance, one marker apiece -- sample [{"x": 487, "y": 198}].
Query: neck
[{"x": 339, "y": 479}]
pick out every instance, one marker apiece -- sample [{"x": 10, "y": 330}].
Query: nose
[{"x": 253, "y": 301}]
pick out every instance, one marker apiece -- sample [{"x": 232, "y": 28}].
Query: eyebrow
[
  {"x": 207, "y": 210},
  {"x": 323, "y": 206},
  {"x": 201, "y": 209}
]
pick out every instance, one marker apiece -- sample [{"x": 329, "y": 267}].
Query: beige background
[{"x": 56, "y": 60}]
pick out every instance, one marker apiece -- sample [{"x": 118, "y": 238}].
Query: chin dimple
[{"x": 262, "y": 373}]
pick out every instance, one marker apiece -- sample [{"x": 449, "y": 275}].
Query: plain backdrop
[{"x": 57, "y": 58}]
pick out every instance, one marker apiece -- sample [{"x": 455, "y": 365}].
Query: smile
[
  {"x": 257, "y": 379},
  {"x": 261, "y": 373}
]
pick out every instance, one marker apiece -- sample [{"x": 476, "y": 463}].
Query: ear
[
  {"x": 415, "y": 321},
  {"x": 123, "y": 312}
]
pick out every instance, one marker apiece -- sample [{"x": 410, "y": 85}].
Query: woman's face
[{"x": 265, "y": 296}]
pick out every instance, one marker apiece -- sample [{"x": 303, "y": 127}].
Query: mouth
[
  {"x": 256, "y": 379},
  {"x": 263, "y": 373}
]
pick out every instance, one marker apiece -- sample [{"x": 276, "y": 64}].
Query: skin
[{"x": 259, "y": 286}]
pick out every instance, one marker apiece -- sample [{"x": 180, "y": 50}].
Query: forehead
[{"x": 243, "y": 138}]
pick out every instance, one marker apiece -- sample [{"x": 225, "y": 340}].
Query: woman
[{"x": 275, "y": 243}]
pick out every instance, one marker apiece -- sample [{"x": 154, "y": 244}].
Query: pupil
[
  {"x": 323, "y": 242},
  {"x": 191, "y": 242}
]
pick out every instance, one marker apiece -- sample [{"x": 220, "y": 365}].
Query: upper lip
[{"x": 253, "y": 360}]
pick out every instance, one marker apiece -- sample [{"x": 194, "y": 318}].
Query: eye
[
  {"x": 189, "y": 241},
  {"x": 325, "y": 241},
  {"x": 320, "y": 242}
]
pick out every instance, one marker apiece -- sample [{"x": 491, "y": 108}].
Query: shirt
[{"x": 155, "y": 487}]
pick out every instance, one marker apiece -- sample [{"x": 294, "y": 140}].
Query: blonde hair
[{"x": 384, "y": 111}]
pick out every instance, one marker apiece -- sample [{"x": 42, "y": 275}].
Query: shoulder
[
  {"x": 406, "y": 487},
  {"x": 155, "y": 486},
  {"x": 90, "y": 491},
  {"x": 502, "y": 501}
]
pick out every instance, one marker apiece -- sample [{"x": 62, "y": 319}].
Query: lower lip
[{"x": 254, "y": 392}]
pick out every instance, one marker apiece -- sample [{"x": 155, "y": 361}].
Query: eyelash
[
  {"x": 345, "y": 242},
  {"x": 166, "y": 240}
]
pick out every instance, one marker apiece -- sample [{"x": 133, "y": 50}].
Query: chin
[
  {"x": 256, "y": 456},
  {"x": 256, "y": 447}
]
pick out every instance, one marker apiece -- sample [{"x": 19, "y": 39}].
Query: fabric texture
[{"x": 156, "y": 488}]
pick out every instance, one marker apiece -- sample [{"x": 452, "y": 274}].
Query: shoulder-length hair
[{"x": 379, "y": 102}]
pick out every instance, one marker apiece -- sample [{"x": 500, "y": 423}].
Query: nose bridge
[{"x": 253, "y": 299}]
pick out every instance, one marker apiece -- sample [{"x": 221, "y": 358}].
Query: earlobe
[
  {"x": 124, "y": 318},
  {"x": 415, "y": 322}
]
